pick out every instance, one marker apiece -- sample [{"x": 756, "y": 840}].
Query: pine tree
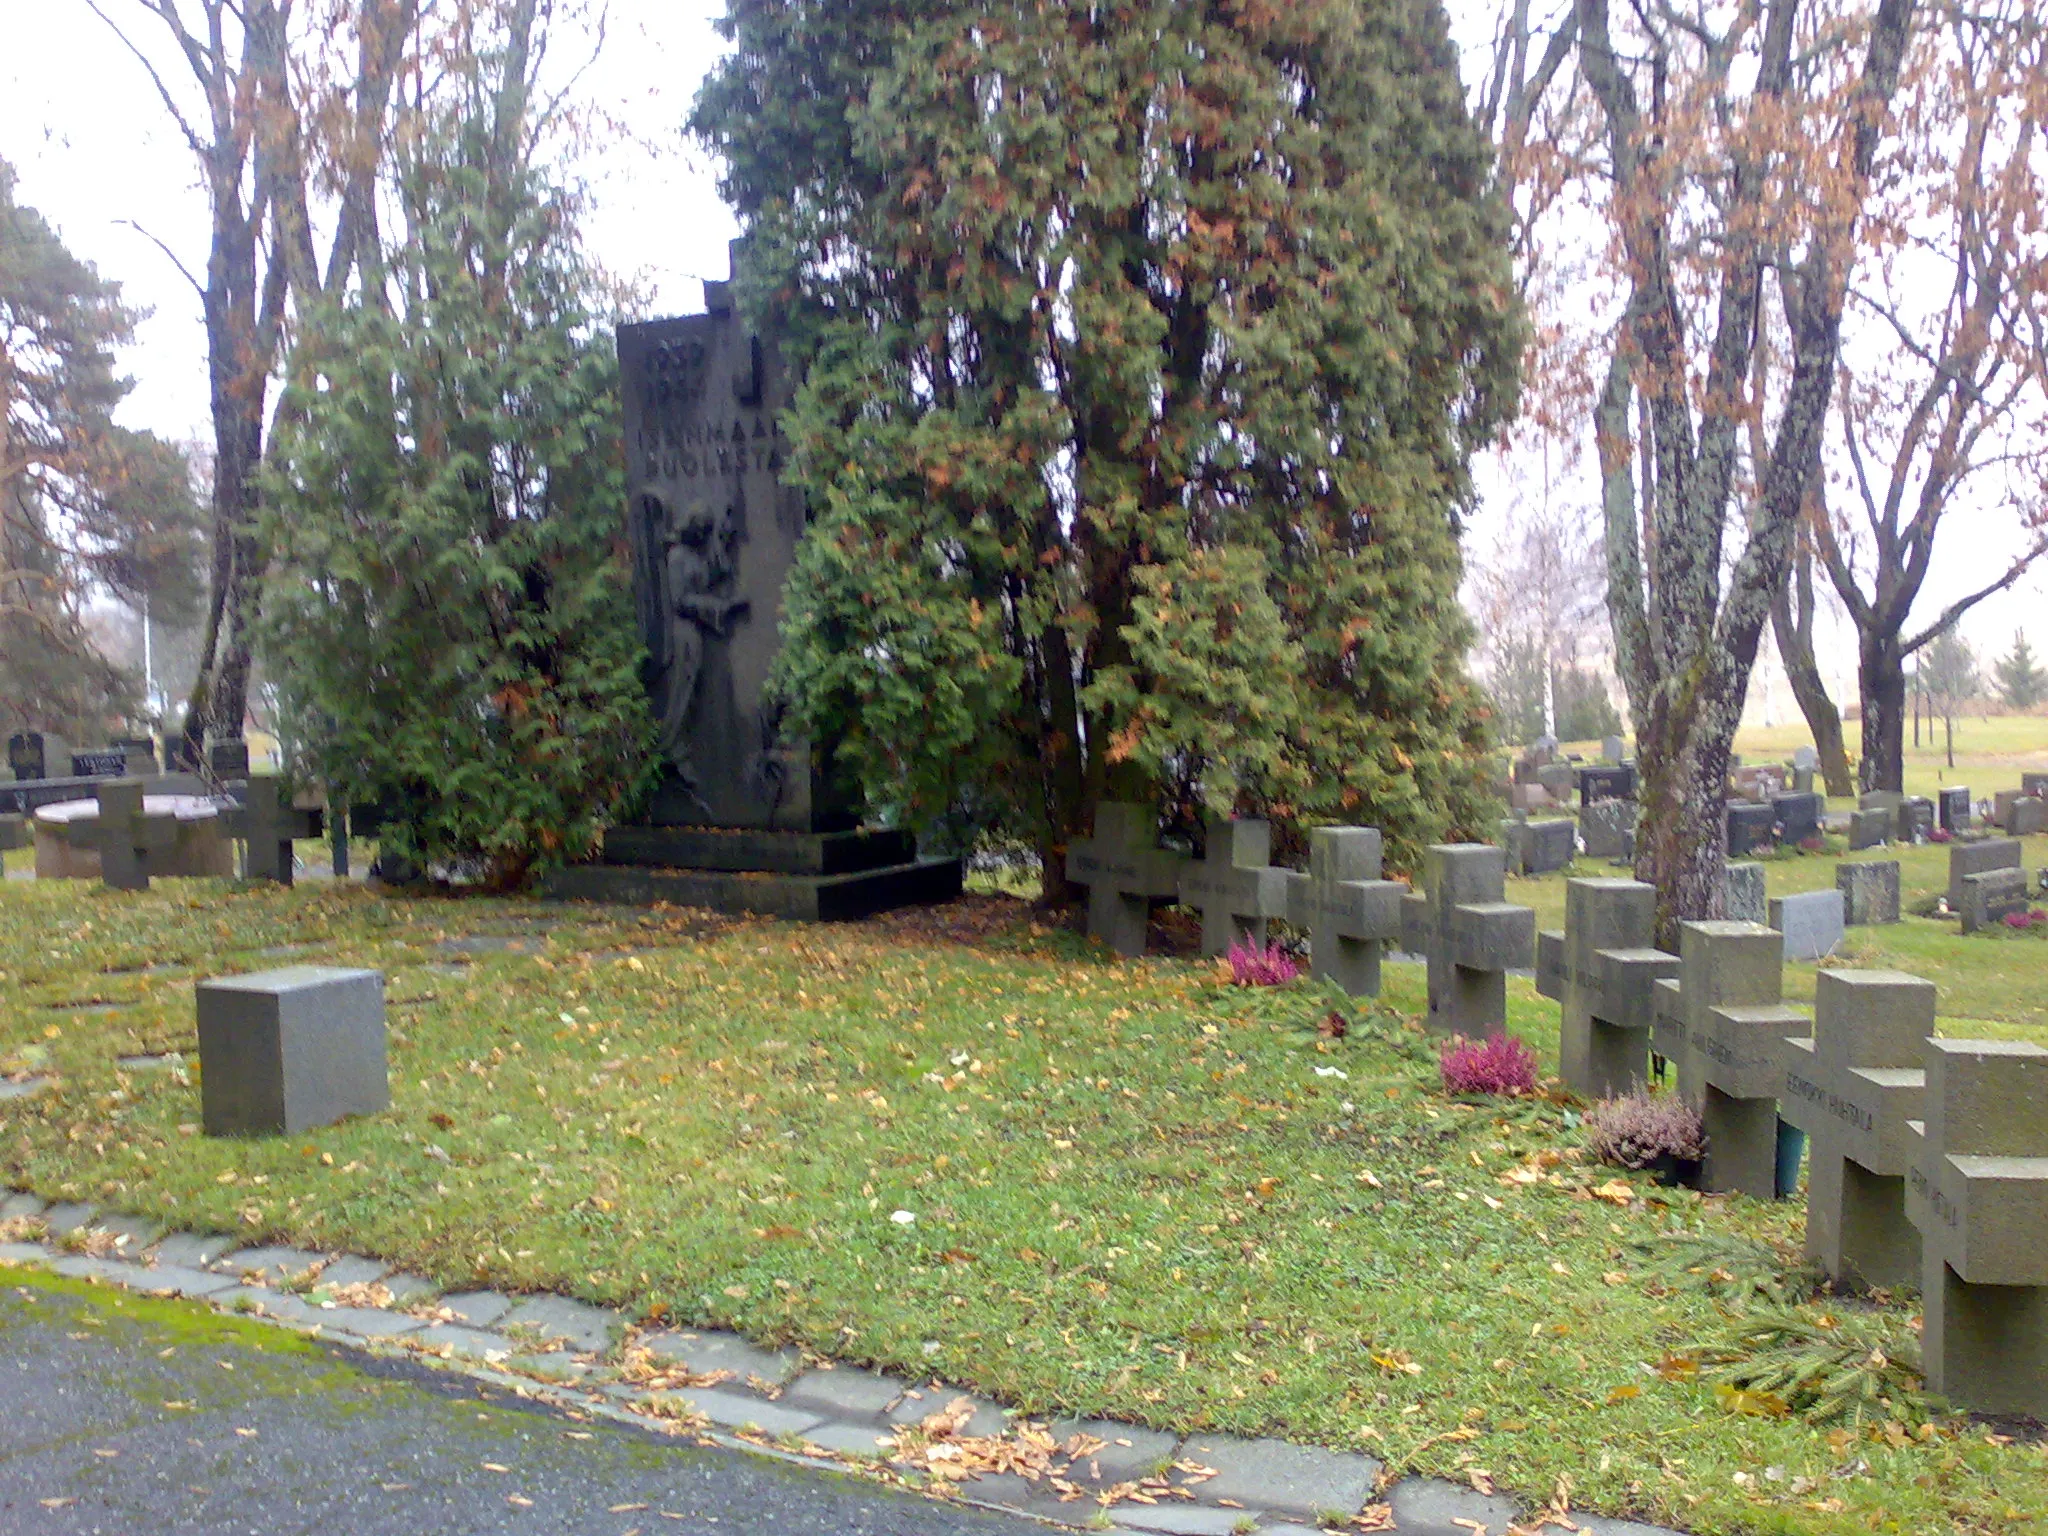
[
  {"x": 446, "y": 597},
  {"x": 1146, "y": 344},
  {"x": 2021, "y": 682}
]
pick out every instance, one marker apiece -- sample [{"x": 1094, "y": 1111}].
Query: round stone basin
[{"x": 183, "y": 834}]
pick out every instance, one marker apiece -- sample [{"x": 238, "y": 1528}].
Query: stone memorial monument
[
  {"x": 1348, "y": 911},
  {"x": 1750, "y": 827},
  {"x": 746, "y": 816},
  {"x": 1870, "y": 891},
  {"x": 1952, "y": 805},
  {"x": 1603, "y": 969},
  {"x": 1742, "y": 893},
  {"x": 1966, "y": 859},
  {"x": 1811, "y": 921},
  {"x": 1234, "y": 885},
  {"x": 1852, "y": 1087},
  {"x": 1471, "y": 935},
  {"x": 1977, "y": 1189}
]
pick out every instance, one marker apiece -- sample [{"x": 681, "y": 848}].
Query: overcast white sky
[{"x": 96, "y": 153}]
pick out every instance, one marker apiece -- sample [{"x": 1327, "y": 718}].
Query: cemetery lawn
[{"x": 1131, "y": 1189}]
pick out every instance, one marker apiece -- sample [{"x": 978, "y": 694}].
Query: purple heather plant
[
  {"x": 1502, "y": 1065},
  {"x": 1635, "y": 1130},
  {"x": 1253, "y": 966}
]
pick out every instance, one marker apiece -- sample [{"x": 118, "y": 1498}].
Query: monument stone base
[{"x": 805, "y": 876}]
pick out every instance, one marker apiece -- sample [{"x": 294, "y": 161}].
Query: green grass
[{"x": 1136, "y": 1191}]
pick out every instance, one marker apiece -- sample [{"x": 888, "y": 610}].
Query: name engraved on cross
[
  {"x": 1852, "y": 1087},
  {"x": 1349, "y": 911}
]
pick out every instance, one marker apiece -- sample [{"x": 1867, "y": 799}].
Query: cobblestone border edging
[{"x": 731, "y": 1392}]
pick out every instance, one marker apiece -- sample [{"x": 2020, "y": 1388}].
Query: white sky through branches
[{"x": 94, "y": 150}]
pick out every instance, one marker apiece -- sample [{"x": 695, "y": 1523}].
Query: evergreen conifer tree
[
  {"x": 2020, "y": 680},
  {"x": 1146, "y": 343},
  {"x": 447, "y": 597}
]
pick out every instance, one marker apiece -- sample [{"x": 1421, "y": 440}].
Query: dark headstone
[
  {"x": 1954, "y": 808},
  {"x": 100, "y": 763},
  {"x": 1872, "y": 828},
  {"x": 1749, "y": 827},
  {"x": 124, "y": 857},
  {"x": 228, "y": 759},
  {"x": 37, "y": 755},
  {"x": 1799, "y": 815},
  {"x": 140, "y": 753},
  {"x": 2032, "y": 783},
  {"x": 1916, "y": 819},
  {"x": 714, "y": 532},
  {"x": 1610, "y": 783}
]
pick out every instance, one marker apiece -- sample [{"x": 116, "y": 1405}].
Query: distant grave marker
[
  {"x": 1350, "y": 913},
  {"x": 1750, "y": 827},
  {"x": 1125, "y": 871},
  {"x": 1471, "y": 934},
  {"x": 1870, "y": 891},
  {"x": 1234, "y": 885},
  {"x": 1966, "y": 859},
  {"x": 124, "y": 855},
  {"x": 1603, "y": 969},
  {"x": 1811, "y": 921},
  {"x": 1742, "y": 893},
  {"x": 1953, "y": 808}
]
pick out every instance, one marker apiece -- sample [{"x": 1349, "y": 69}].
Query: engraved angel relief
[{"x": 695, "y": 549}]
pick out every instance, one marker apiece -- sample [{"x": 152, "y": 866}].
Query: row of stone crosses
[{"x": 1929, "y": 1156}]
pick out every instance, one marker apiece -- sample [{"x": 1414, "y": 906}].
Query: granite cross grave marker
[
  {"x": 1603, "y": 969},
  {"x": 1350, "y": 913},
  {"x": 1125, "y": 871},
  {"x": 1234, "y": 885},
  {"x": 1471, "y": 934},
  {"x": 1852, "y": 1086}
]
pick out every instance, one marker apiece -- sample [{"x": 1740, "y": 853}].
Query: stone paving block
[
  {"x": 20, "y": 1203},
  {"x": 182, "y": 1280},
  {"x": 705, "y": 1350},
  {"x": 1178, "y": 1519},
  {"x": 1429, "y": 1506},
  {"x": 735, "y": 1410},
  {"x": 193, "y": 1250},
  {"x": 1292, "y": 1479},
  {"x": 557, "y": 1367},
  {"x": 1127, "y": 1451},
  {"x": 844, "y": 1393},
  {"x": 363, "y": 1322},
  {"x": 68, "y": 1216},
  {"x": 83, "y": 1266},
  {"x": 351, "y": 1270},
  {"x": 1606, "y": 1525},
  {"x": 1007, "y": 1490},
  {"x": 270, "y": 1303},
  {"x": 867, "y": 1440},
  {"x": 408, "y": 1290},
  {"x": 24, "y": 1253},
  {"x": 1289, "y": 1528},
  {"x": 479, "y": 1309},
  {"x": 131, "y": 1234},
  {"x": 577, "y": 1323},
  {"x": 989, "y": 1419},
  {"x": 469, "y": 1343},
  {"x": 275, "y": 1264}
]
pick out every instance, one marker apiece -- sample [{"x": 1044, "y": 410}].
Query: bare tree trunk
[
  {"x": 1792, "y": 623},
  {"x": 1881, "y": 678}
]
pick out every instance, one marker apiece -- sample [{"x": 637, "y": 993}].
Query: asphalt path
[{"x": 123, "y": 1415}]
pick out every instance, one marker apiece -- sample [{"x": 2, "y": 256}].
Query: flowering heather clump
[
  {"x": 1941, "y": 835},
  {"x": 1502, "y": 1065},
  {"x": 1252, "y": 966},
  {"x": 1636, "y": 1130},
  {"x": 2032, "y": 918}
]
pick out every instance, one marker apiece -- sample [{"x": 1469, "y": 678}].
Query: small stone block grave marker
[
  {"x": 1472, "y": 936},
  {"x": 2034, "y": 783},
  {"x": 1966, "y": 859},
  {"x": 1852, "y": 1087},
  {"x": 1728, "y": 1060},
  {"x": 1234, "y": 885},
  {"x": 1603, "y": 969},
  {"x": 1992, "y": 897},
  {"x": 1612, "y": 748},
  {"x": 1870, "y": 892},
  {"x": 1125, "y": 871},
  {"x": 1349, "y": 912},
  {"x": 284, "y": 1051},
  {"x": 1811, "y": 921},
  {"x": 1977, "y": 1189},
  {"x": 2019, "y": 814}
]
